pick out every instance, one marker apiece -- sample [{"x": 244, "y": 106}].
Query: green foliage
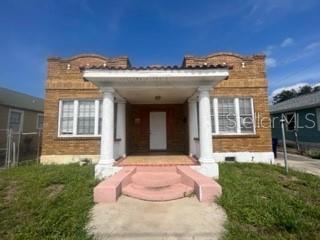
[
  {"x": 284, "y": 95},
  {"x": 292, "y": 93},
  {"x": 305, "y": 90},
  {"x": 45, "y": 202},
  {"x": 263, "y": 203}
]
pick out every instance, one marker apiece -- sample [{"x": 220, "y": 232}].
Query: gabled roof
[
  {"x": 20, "y": 100},
  {"x": 301, "y": 102}
]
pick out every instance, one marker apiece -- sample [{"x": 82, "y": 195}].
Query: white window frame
[
  {"x": 21, "y": 119},
  {"x": 37, "y": 121},
  {"x": 214, "y": 101},
  {"x": 75, "y": 119}
]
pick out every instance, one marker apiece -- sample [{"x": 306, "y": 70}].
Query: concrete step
[
  {"x": 156, "y": 169},
  {"x": 175, "y": 191},
  {"x": 155, "y": 179}
]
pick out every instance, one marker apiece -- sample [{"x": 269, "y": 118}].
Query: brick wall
[
  {"x": 247, "y": 78},
  {"x": 65, "y": 81}
]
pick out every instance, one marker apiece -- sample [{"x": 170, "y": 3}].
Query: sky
[{"x": 159, "y": 32}]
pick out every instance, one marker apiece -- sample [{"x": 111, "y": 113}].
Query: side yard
[
  {"x": 53, "y": 202},
  {"x": 263, "y": 203}
]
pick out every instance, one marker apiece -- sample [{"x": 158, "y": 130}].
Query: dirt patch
[{"x": 54, "y": 190}]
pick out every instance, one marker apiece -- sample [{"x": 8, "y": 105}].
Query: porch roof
[{"x": 172, "y": 83}]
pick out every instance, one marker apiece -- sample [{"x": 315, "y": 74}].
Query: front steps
[{"x": 157, "y": 184}]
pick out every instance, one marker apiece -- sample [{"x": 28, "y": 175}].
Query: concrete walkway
[
  {"x": 130, "y": 218},
  {"x": 300, "y": 163}
]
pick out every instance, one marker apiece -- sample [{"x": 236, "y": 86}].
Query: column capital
[
  {"x": 192, "y": 100},
  {"x": 204, "y": 88},
  {"x": 121, "y": 100},
  {"x": 107, "y": 90}
]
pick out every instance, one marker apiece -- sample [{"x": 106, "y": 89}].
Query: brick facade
[
  {"x": 247, "y": 78},
  {"x": 65, "y": 81}
]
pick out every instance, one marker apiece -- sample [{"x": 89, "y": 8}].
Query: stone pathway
[
  {"x": 300, "y": 163},
  {"x": 130, "y": 218}
]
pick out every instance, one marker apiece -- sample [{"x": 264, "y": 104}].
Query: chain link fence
[{"x": 19, "y": 147}]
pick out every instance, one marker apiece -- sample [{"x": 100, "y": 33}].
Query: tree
[
  {"x": 316, "y": 88},
  {"x": 284, "y": 95},
  {"x": 305, "y": 90}
]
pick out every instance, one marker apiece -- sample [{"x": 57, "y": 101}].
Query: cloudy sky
[{"x": 158, "y": 32}]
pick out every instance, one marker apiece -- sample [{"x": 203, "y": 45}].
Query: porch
[
  {"x": 160, "y": 109},
  {"x": 157, "y": 159}
]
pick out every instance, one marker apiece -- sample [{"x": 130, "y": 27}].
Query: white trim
[
  {"x": 37, "y": 121},
  {"x": 21, "y": 119},
  {"x": 59, "y": 117},
  {"x": 75, "y": 117},
  {"x": 253, "y": 116},
  {"x": 256, "y": 157},
  {"x": 96, "y": 117},
  {"x": 215, "y": 115},
  {"x": 127, "y": 73},
  {"x": 237, "y": 112}
]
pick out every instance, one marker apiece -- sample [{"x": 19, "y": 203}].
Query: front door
[{"x": 158, "y": 131}]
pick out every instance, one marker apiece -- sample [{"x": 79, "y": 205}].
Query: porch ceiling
[{"x": 156, "y": 86}]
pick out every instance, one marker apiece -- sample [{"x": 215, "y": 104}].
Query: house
[
  {"x": 20, "y": 112},
  {"x": 302, "y": 115},
  {"x": 108, "y": 111}
]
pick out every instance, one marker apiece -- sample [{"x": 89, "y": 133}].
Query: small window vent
[{"x": 230, "y": 159}]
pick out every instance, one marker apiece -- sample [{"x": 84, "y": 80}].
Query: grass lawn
[
  {"x": 53, "y": 202},
  {"x": 263, "y": 203},
  {"x": 45, "y": 202}
]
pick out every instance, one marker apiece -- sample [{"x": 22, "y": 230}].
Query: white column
[
  {"x": 121, "y": 127},
  {"x": 207, "y": 166},
  {"x": 105, "y": 166},
  {"x": 206, "y": 151},
  {"x": 193, "y": 128}
]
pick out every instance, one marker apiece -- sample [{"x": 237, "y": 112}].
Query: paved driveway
[
  {"x": 130, "y": 218},
  {"x": 300, "y": 163}
]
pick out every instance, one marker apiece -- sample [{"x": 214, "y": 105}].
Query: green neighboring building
[{"x": 303, "y": 117}]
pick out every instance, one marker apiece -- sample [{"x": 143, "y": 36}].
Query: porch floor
[{"x": 157, "y": 159}]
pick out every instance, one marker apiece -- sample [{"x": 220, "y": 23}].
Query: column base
[
  {"x": 208, "y": 169},
  {"x": 102, "y": 171}
]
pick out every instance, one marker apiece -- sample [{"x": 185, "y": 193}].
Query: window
[
  {"x": 227, "y": 115},
  {"x": 81, "y": 118},
  {"x": 15, "y": 120},
  {"x": 290, "y": 120},
  {"x": 39, "y": 124},
  {"x": 66, "y": 120},
  {"x": 232, "y": 115},
  {"x": 246, "y": 116},
  {"x": 86, "y": 117}
]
